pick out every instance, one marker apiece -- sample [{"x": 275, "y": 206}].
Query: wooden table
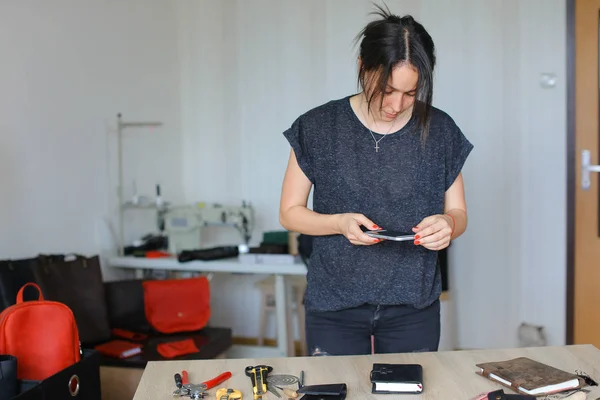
[{"x": 447, "y": 375}]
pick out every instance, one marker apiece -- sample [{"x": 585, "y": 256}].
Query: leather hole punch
[{"x": 196, "y": 391}]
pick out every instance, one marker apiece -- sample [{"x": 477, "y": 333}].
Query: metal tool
[
  {"x": 282, "y": 380},
  {"x": 285, "y": 380},
  {"x": 289, "y": 393},
  {"x": 193, "y": 391},
  {"x": 229, "y": 394},
  {"x": 182, "y": 379},
  {"x": 258, "y": 375},
  {"x": 273, "y": 390}
]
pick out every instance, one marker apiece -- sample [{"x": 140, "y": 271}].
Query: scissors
[{"x": 196, "y": 391}]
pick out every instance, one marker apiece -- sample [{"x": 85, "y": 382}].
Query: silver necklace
[{"x": 373, "y": 136}]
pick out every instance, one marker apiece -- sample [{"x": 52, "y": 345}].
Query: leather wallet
[
  {"x": 331, "y": 391},
  {"x": 177, "y": 348},
  {"x": 500, "y": 395},
  {"x": 119, "y": 349},
  {"x": 125, "y": 334}
]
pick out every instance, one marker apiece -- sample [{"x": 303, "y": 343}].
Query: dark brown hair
[{"x": 391, "y": 41}]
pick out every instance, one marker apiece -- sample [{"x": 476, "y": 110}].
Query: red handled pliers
[{"x": 193, "y": 391}]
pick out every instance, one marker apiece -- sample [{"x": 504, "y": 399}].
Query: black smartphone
[{"x": 391, "y": 235}]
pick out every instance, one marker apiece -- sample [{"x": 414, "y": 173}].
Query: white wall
[
  {"x": 250, "y": 68},
  {"x": 67, "y": 69},
  {"x": 227, "y": 77}
]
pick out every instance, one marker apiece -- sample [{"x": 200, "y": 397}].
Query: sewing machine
[{"x": 184, "y": 224}]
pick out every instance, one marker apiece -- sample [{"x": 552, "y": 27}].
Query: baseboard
[{"x": 250, "y": 341}]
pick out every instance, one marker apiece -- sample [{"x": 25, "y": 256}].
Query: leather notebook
[
  {"x": 530, "y": 377},
  {"x": 396, "y": 378}
]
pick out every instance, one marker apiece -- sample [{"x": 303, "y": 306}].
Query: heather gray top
[{"x": 396, "y": 188}]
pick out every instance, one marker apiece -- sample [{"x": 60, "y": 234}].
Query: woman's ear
[{"x": 360, "y": 64}]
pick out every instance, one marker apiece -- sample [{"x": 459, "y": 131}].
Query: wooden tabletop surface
[{"x": 446, "y": 375}]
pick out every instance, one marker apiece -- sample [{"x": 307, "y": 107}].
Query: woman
[{"x": 384, "y": 158}]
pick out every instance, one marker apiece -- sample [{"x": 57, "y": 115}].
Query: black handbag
[
  {"x": 125, "y": 302},
  {"x": 76, "y": 281},
  {"x": 14, "y": 274}
]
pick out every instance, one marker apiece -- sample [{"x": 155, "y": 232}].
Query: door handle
[{"x": 587, "y": 168}]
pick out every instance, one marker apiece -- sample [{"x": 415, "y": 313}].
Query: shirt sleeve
[
  {"x": 458, "y": 148},
  {"x": 297, "y": 137}
]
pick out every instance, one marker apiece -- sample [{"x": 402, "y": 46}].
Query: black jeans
[{"x": 395, "y": 329}]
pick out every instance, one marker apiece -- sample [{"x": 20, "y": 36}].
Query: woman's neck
[{"x": 371, "y": 118}]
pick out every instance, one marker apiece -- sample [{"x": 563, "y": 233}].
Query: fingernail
[
  {"x": 417, "y": 236},
  {"x": 375, "y": 240},
  {"x": 417, "y": 242},
  {"x": 376, "y": 227},
  {"x": 416, "y": 227}
]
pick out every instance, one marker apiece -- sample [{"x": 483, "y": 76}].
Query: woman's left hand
[{"x": 434, "y": 232}]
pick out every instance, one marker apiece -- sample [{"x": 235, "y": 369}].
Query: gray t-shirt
[{"x": 396, "y": 188}]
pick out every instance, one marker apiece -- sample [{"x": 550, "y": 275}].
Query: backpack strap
[{"x": 20, "y": 294}]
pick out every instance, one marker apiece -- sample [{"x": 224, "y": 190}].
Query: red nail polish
[
  {"x": 417, "y": 242},
  {"x": 417, "y": 236},
  {"x": 376, "y": 227}
]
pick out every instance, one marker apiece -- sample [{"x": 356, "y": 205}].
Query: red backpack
[{"x": 41, "y": 334}]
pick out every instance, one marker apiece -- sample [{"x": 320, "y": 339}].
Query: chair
[{"x": 267, "y": 306}]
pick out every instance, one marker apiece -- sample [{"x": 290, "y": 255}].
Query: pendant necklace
[{"x": 373, "y": 136}]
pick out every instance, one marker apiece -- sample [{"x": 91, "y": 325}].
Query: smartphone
[{"x": 391, "y": 235}]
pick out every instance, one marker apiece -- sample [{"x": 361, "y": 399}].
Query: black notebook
[{"x": 397, "y": 378}]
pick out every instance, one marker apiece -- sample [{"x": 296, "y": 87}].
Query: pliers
[{"x": 193, "y": 391}]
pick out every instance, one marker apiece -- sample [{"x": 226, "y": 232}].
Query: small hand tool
[
  {"x": 229, "y": 394},
  {"x": 181, "y": 380},
  {"x": 193, "y": 391},
  {"x": 258, "y": 375},
  {"x": 282, "y": 380},
  {"x": 289, "y": 393},
  {"x": 273, "y": 390},
  {"x": 285, "y": 380}
]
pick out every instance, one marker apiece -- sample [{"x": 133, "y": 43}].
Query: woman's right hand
[{"x": 349, "y": 225}]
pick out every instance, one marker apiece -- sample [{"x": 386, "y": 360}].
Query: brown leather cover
[{"x": 526, "y": 373}]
